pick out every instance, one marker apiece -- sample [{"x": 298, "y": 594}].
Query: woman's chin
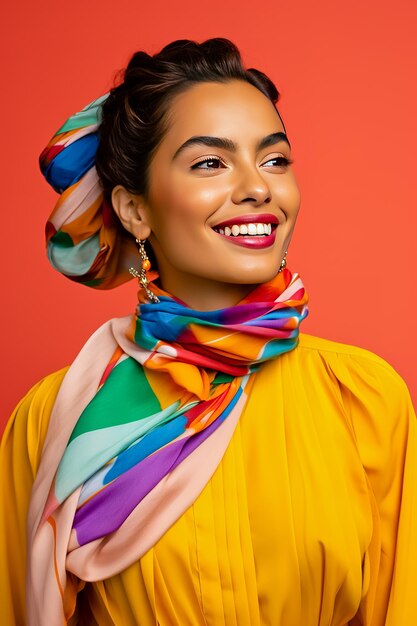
[{"x": 253, "y": 275}]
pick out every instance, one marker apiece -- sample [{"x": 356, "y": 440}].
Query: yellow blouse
[{"x": 309, "y": 520}]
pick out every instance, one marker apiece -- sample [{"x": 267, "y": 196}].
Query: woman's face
[{"x": 222, "y": 168}]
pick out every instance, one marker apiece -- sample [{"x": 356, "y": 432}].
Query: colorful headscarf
[
  {"x": 142, "y": 419},
  {"x": 85, "y": 240}
]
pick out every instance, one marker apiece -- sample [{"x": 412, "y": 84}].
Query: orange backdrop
[{"x": 347, "y": 74}]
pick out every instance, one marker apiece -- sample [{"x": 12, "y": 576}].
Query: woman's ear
[{"x": 131, "y": 211}]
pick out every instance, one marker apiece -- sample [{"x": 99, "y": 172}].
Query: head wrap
[{"x": 85, "y": 240}]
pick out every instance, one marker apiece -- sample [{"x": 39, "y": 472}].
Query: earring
[
  {"x": 283, "y": 262},
  {"x": 145, "y": 266}
]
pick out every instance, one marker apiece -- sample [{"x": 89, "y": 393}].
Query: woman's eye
[
  {"x": 208, "y": 164},
  {"x": 279, "y": 161}
]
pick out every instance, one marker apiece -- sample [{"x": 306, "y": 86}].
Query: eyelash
[
  {"x": 284, "y": 162},
  {"x": 206, "y": 160}
]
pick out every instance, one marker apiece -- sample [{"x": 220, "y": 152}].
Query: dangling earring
[
  {"x": 145, "y": 266},
  {"x": 283, "y": 262}
]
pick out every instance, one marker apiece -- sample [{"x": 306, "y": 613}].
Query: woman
[{"x": 201, "y": 462}]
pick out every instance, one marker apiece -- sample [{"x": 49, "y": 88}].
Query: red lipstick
[
  {"x": 250, "y": 241},
  {"x": 255, "y": 242}
]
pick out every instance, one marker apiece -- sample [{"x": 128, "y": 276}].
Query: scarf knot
[{"x": 233, "y": 340}]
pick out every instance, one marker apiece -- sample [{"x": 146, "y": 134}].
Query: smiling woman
[
  {"x": 201, "y": 461},
  {"x": 223, "y": 159}
]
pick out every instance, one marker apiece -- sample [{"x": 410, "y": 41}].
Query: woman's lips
[{"x": 249, "y": 222}]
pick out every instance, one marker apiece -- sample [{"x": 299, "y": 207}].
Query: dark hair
[{"x": 134, "y": 115}]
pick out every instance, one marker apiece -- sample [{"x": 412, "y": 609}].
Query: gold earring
[
  {"x": 283, "y": 262},
  {"x": 144, "y": 267}
]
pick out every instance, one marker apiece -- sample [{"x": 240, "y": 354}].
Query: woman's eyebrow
[
  {"x": 228, "y": 144},
  {"x": 271, "y": 140}
]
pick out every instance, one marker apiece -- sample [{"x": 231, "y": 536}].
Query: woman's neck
[{"x": 203, "y": 294}]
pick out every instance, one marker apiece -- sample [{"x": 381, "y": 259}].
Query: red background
[{"x": 347, "y": 74}]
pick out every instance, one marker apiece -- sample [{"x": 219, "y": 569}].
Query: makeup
[
  {"x": 255, "y": 242},
  {"x": 253, "y": 231},
  {"x": 244, "y": 196}
]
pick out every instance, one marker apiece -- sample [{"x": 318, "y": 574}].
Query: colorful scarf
[
  {"x": 85, "y": 240},
  {"x": 142, "y": 420}
]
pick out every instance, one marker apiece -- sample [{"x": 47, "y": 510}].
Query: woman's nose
[{"x": 251, "y": 187}]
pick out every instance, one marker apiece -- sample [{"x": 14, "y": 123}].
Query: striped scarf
[
  {"x": 142, "y": 420},
  {"x": 84, "y": 239}
]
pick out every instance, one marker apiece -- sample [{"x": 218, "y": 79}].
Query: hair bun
[{"x": 139, "y": 59}]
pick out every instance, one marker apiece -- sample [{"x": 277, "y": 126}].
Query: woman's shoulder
[
  {"x": 357, "y": 372},
  {"x": 329, "y": 350},
  {"x": 328, "y": 346},
  {"x": 367, "y": 391},
  {"x": 42, "y": 391},
  {"x": 28, "y": 424}
]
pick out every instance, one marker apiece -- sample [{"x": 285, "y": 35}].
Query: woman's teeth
[{"x": 245, "y": 229}]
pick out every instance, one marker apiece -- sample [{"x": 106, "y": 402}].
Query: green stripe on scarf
[{"x": 117, "y": 402}]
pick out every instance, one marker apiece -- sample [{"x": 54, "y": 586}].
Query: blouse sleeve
[
  {"x": 383, "y": 421},
  {"x": 20, "y": 452}
]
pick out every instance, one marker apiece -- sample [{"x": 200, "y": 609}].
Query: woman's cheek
[
  {"x": 200, "y": 200},
  {"x": 294, "y": 193},
  {"x": 289, "y": 198}
]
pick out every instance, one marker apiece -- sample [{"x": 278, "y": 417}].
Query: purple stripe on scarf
[{"x": 109, "y": 508}]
